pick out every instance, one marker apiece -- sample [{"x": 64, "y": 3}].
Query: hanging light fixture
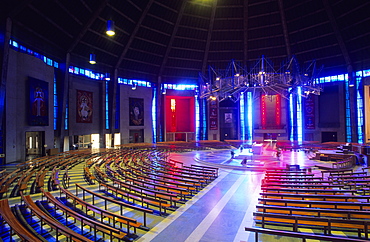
[
  {"x": 110, "y": 28},
  {"x": 92, "y": 59},
  {"x": 236, "y": 79}
]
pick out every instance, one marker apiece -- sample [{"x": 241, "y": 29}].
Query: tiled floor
[{"x": 222, "y": 210}]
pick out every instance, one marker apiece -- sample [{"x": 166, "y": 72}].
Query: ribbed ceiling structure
[{"x": 177, "y": 39}]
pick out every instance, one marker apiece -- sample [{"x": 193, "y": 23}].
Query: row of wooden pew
[
  {"x": 328, "y": 203},
  {"x": 144, "y": 181}
]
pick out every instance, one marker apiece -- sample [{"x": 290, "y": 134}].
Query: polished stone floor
[{"x": 222, "y": 210}]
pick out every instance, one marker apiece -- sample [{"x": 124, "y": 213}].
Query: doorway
[
  {"x": 329, "y": 137},
  {"x": 35, "y": 144}
]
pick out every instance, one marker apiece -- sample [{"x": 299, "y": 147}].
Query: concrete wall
[
  {"x": 20, "y": 67},
  {"x": 126, "y": 93},
  {"x": 339, "y": 106},
  {"x": 97, "y": 88}
]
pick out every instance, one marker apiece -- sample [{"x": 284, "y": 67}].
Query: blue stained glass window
[
  {"x": 154, "y": 115},
  {"x": 242, "y": 116},
  {"x": 299, "y": 116},
  {"x": 197, "y": 119},
  {"x": 250, "y": 117},
  {"x": 107, "y": 105}
]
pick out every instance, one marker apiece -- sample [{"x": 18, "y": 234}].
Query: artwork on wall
[
  {"x": 39, "y": 102},
  {"x": 213, "y": 115},
  {"x": 136, "y": 107},
  {"x": 310, "y": 113},
  {"x": 228, "y": 118},
  {"x": 84, "y": 106}
]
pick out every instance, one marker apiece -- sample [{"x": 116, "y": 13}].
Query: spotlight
[
  {"x": 110, "y": 28},
  {"x": 92, "y": 59}
]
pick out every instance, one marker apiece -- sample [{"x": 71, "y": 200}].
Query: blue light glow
[
  {"x": 291, "y": 115},
  {"x": 242, "y": 115},
  {"x": 250, "y": 117},
  {"x": 348, "y": 110},
  {"x": 154, "y": 115},
  {"x": 197, "y": 119},
  {"x": 299, "y": 116},
  {"x": 360, "y": 110},
  {"x": 106, "y": 106}
]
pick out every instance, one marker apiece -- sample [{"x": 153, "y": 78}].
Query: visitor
[
  {"x": 278, "y": 153},
  {"x": 232, "y": 154}
]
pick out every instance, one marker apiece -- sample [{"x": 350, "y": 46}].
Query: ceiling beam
[
  {"x": 245, "y": 32},
  {"x": 84, "y": 29},
  {"x": 16, "y": 10},
  {"x": 285, "y": 29},
  {"x": 133, "y": 34},
  {"x": 338, "y": 35},
  {"x": 50, "y": 21},
  {"x": 67, "y": 11},
  {"x": 170, "y": 43},
  {"x": 209, "y": 35}
]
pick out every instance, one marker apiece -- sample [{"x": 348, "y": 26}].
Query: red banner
[
  {"x": 310, "y": 113},
  {"x": 213, "y": 115}
]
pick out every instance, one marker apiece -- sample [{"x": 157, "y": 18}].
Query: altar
[{"x": 257, "y": 149}]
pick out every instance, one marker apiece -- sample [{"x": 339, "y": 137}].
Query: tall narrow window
[
  {"x": 117, "y": 110},
  {"x": 360, "y": 108},
  {"x": 55, "y": 99},
  {"x": 66, "y": 117},
  {"x": 197, "y": 119},
  {"x": 250, "y": 117},
  {"x": 242, "y": 116},
  {"x": 154, "y": 115},
  {"x": 107, "y": 105},
  {"x": 348, "y": 107},
  {"x": 291, "y": 117},
  {"x": 299, "y": 116},
  {"x": 204, "y": 119}
]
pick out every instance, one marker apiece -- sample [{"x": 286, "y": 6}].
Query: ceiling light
[
  {"x": 110, "y": 28},
  {"x": 92, "y": 59}
]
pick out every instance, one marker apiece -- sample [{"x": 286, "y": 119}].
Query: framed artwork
[
  {"x": 228, "y": 118},
  {"x": 84, "y": 107},
  {"x": 136, "y": 109},
  {"x": 39, "y": 102},
  {"x": 213, "y": 115}
]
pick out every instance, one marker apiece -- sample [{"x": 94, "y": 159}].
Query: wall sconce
[
  {"x": 110, "y": 28},
  {"x": 134, "y": 85},
  {"x": 92, "y": 59}
]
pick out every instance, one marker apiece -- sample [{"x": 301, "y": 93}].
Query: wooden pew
[
  {"x": 7, "y": 181},
  {"x": 162, "y": 204},
  {"x": 181, "y": 191},
  {"x": 325, "y": 224},
  {"x": 119, "y": 203},
  {"x": 8, "y": 216},
  {"x": 315, "y": 212},
  {"x": 315, "y": 203},
  {"x": 130, "y": 222},
  {"x": 89, "y": 178},
  {"x": 303, "y": 236},
  {"x": 93, "y": 224},
  {"x": 58, "y": 227},
  {"x": 144, "y": 191},
  {"x": 304, "y": 190},
  {"x": 323, "y": 197},
  {"x": 322, "y": 186}
]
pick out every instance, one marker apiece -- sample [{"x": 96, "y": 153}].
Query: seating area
[
  {"x": 328, "y": 203},
  {"x": 121, "y": 194}
]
